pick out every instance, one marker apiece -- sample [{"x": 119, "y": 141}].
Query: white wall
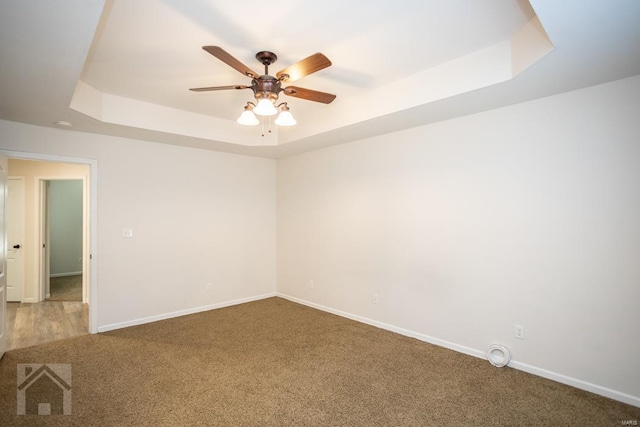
[
  {"x": 525, "y": 215},
  {"x": 65, "y": 220},
  {"x": 198, "y": 217}
]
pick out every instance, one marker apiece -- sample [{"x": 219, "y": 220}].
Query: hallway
[{"x": 37, "y": 323}]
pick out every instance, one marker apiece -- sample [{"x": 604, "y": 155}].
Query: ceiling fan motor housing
[{"x": 266, "y": 87}]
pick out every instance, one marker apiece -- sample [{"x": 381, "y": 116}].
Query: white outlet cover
[{"x": 520, "y": 332}]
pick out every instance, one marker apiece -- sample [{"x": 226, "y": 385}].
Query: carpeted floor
[
  {"x": 277, "y": 363},
  {"x": 65, "y": 288}
]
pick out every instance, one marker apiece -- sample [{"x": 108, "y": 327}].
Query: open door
[
  {"x": 14, "y": 220},
  {"x": 3, "y": 261}
]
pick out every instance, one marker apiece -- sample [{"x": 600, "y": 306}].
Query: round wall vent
[{"x": 498, "y": 355}]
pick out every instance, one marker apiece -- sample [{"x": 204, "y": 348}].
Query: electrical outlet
[
  {"x": 520, "y": 332},
  {"x": 312, "y": 284},
  {"x": 209, "y": 286},
  {"x": 376, "y": 298}
]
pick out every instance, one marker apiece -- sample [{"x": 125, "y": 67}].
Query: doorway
[
  {"x": 34, "y": 291},
  {"x": 62, "y": 231},
  {"x": 49, "y": 227}
]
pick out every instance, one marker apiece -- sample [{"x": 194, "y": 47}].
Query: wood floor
[{"x": 37, "y": 323}]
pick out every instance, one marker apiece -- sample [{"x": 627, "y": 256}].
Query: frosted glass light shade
[
  {"x": 247, "y": 118},
  {"x": 265, "y": 108},
  {"x": 285, "y": 119}
]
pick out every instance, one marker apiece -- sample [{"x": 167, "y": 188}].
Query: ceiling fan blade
[
  {"x": 315, "y": 62},
  {"x": 308, "y": 94},
  {"x": 206, "y": 89},
  {"x": 225, "y": 57}
]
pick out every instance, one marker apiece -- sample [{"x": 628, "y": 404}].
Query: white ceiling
[{"x": 123, "y": 67}]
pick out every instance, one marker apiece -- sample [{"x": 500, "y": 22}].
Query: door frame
[
  {"x": 3, "y": 264},
  {"x": 92, "y": 221}
]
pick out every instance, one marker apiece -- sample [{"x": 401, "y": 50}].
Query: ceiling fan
[{"x": 267, "y": 88}]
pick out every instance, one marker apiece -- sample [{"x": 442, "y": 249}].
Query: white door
[
  {"x": 15, "y": 238},
  {"x": 3, "y": 264}
]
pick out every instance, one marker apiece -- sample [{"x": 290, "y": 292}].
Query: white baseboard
[
  {"x": 71, "y": 273},
  {"x": 574, "y": 382},
  {"x": 179, "y": 313},
  {"x": 583, "y": 385}
]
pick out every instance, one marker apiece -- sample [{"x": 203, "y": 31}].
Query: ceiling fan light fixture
[
  {"x": 265, "y": 107},
  {"x": 247, "y": 117},
  {"x": 285, "y": 118}
]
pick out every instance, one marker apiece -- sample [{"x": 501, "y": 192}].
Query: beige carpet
[
  {"x": 65, "y": 288},
  {"x": 276, "y": 363}
]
